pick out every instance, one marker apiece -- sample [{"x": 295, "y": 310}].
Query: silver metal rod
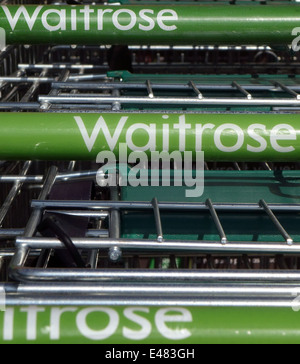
[
  {"x": 115, "y": 224},
  {"x": 149, "y": 89},
  {"x": 34, "y": 87},
  {"x": 275, "y": 221},
  {"x": 81, "y": 300},
  {"x": 13, "y": 193},
  {"x": 54, "y": 92},
  {"x": 39, "y": 178},
  {"x": 36, "y": 214},
  {"x": 11, "y": 233},
  {"x": 19, "y": 105},
  {"x": 160, "y": 289},
  {"x": 242, "y": 90},
  {"x": 287, "y": 89},
  {"x": 24, "y": 66},
  {"x": 26, "y": 79},
  {"x": 153, "y": 275},
  {"x": 106, "y": 205},
  {"x": 93, "y": 258},
  {"x": 217, "y": 221},
  {"x": 35, "y": 217},
  {"x": 116, "y": 106},
  {"x": 88, "y": 77},
  {"x": 237, "y": 247},
  {"x": 93, "y": 214},
  {"x": 157, "y": 217},
  {"x": 195, "y": 89},
  {"x": 115, "y": 252},
  {"x": 169, "y": 86},
  {"x": 171, "y": 100}
]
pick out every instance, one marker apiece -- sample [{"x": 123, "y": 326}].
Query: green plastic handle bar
[
  {"x": 151, "y": 24},
  {"x": 82, "y": 136},
  {"x": 150, "y": 325}
]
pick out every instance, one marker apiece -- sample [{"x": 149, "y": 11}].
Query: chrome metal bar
[
  {"x": 12, "y": 79},
  {"x": 36, "y": 214},
  {"x": 12, "y": 233},
  {"x": 24, "y": 66},
  {"x": 158, "y": 223},
  {"x": 170, "y": 100},
  {"x": 242, "y": 90},
  {"x": 19, "y": 105},
  {"x": 22, "y": 252},
  {"x": 94, "y": 214},
  {"x": 134, "y": 205},
  {"x": 247, "y": 87},
  {"x": 13, "y": 193},
  {"x": 6, "y": 233},
  {"x": 80, "y": 77},
  {"x": 84, "y": 300},
  {"x": 149, "y": 89},
  {"x": 196, "y": 90},
  {"x": 237, "y": 247},
  {"x": 54, "y": 92},
  {"x": 34, "y": 88},
  {"x": 275, "y": 221},
  {"x": 115, "y": 252},
  {"x": 288, "y": 90},
  {"x": 156, "y": 275},
  {"x": 39, "y": 178},
  {"x": 217, "y": 221},
  {"x": 116, "y": 105},
  {"x": 237, "y": 289}
]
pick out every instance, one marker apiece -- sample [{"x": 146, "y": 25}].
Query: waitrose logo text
[
  {"x": 182, "y": 135},
  {"x": 95, "y": 324},
  {"x": 89, "y": 18}
]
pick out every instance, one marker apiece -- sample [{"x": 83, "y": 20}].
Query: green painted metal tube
[
  {"x": 222, "y": 137},
  {"x": 149, "y": 325},
  {"x": 150, "y": 24}
]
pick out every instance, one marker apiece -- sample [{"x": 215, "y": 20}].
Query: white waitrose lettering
[
  {"x": 30, "y": 20},
  {"x": 95, "y": 323},
  {"x": 92, "y": 18},
  {"x": 253, "y": 139},
  {"x": 62, "y": 20},
  {"x": 282, "y": 132}
]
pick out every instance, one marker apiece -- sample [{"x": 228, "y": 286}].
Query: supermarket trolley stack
[{"x": 223, "y": 266}]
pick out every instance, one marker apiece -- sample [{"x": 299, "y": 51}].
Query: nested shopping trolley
[{"x": 165, "y": 258}]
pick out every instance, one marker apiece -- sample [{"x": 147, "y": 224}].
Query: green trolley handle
[
  {"x": 151, "y": 24},
  {"x": 82, "y": 136}
]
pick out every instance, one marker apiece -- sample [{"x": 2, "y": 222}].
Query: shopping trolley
[{"x": 85, "y": 261}]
